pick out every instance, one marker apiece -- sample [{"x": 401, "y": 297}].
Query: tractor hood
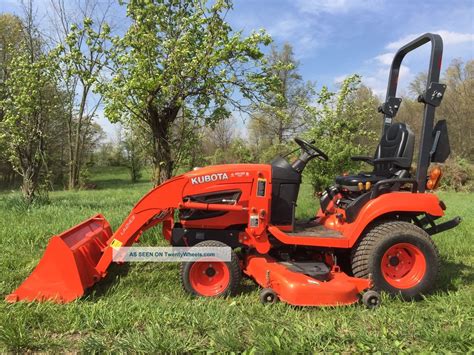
[{"x": 226, "y": 174}]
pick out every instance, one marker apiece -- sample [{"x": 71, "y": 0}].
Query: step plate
[{"x": 313, "y": 229}]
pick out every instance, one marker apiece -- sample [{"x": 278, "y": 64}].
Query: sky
[{"x": 336, "y": 38}]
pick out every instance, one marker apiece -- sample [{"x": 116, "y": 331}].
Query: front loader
[{"x": 373, "y": 231}]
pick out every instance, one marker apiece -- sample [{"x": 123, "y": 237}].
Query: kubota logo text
[{"x": 209, "y": 178}]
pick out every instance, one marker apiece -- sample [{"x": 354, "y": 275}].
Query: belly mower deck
[{"x": 292, "y": 283}]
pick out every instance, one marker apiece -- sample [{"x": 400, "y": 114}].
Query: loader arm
[
  {"x": 155, "y": 207},
  {"x": 78, "y": 258}
]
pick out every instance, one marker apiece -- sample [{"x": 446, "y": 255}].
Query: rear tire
[
  {"x": 400, "y": 257},
  {"x": 212, "y": 278}
]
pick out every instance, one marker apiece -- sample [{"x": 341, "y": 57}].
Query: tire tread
[
  {"x": 234, "y": 269},
  {"x": 364, "y": 249}
]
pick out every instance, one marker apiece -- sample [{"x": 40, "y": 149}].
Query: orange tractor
[{"x": 372, "y": 232}]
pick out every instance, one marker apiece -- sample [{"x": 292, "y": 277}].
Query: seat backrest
[{"x": 397, "y": 142}]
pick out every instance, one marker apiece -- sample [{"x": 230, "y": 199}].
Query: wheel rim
[
  {"x": 209, "y": 278},
  {"x": 373, "y": 301},
  {"x": 403, "y": 265}
]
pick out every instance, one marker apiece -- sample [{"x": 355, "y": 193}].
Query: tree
[
  {"x": 222, "y": 144},
  {"x": 363, "y": 108},
  {"x": 285, "y": 111},
  {"x": 216, "y": 140},
  {"x": 134, "y": 152},
  {"x": 29, "y": 100},
  {"x": 82, "y": 47},
  {"x": 456, "y": 107},
  {"x": 222, "y": 133},
  {"x": 11, "y": 29},
  {"x": 10, "y": 37},
  {"x": 240, "y": 152},
  {"x": 338, "y": 130},
  {"x": 181, "y": 57}
]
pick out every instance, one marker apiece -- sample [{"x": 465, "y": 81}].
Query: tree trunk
[
  {"x": 70, "y": 152},
  {"x": 28, "y": 187},
  {"x": 280, "y": 132},
  {"x": 30, "y": 177},
  {"x": 134, "y": 168},
  {"x": 31, "y": 160},
  {"x": 75, "y": 163},
  {"x": 162, "y": 159},
  {"x": 160, "y": 123}
]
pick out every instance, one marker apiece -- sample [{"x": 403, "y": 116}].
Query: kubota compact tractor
[{"x": 380, "y": 222}]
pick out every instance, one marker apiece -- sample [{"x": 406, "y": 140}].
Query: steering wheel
[{"x": 312, "y": 150}]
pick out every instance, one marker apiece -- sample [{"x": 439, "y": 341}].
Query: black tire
[
  {"x": 371, "y": 299},
  {"x": 367, "y": 256},
  {"x": 232, "y": 266},
  {"x": 268, "y": 296}
]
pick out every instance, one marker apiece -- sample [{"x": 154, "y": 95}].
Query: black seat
[{"x": 392, "y": 158}]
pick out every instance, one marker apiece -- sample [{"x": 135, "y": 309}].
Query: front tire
[
  {"x": 211, "y": 278},
  {"x": 400, "y": 257}
]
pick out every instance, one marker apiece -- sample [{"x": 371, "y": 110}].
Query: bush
[
  {"x": 457, "y": 175},
  {"x": 341, "y": 129}
]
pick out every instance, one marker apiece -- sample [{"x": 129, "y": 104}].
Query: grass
[{"x": 142, "y": 308}]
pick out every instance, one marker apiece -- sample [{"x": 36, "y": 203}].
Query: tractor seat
[
  {"x": 353, "y": 180},
  {"x": 392, "y": 158}
]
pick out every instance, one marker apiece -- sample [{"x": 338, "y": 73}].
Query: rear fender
[{"x": 394, "y": 202}]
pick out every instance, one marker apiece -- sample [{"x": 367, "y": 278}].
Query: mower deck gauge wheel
[
  {"x": 371, "y": 299},
  {"x": 268, "y": 296}
]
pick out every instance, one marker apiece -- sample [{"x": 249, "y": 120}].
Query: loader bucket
[{"x": 67, "y": 267}]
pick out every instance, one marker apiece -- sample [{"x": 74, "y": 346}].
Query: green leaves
[
  {"x": 84, "y": 52},
  {"x": 28, "y": 100},
  {"x": 25, "y": 90},
  {"x": 181, "y": 55},
  {"x": 339, "y": 128},
  {"x": 287, "y": 106}
]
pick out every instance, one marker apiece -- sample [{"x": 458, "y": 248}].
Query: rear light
[{"x": 434, "y": 178}]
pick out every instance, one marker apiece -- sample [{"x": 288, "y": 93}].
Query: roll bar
[{"x": 431, "y": 98}]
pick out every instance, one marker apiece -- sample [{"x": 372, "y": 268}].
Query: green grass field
[{"x": 141, "y": 307}]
